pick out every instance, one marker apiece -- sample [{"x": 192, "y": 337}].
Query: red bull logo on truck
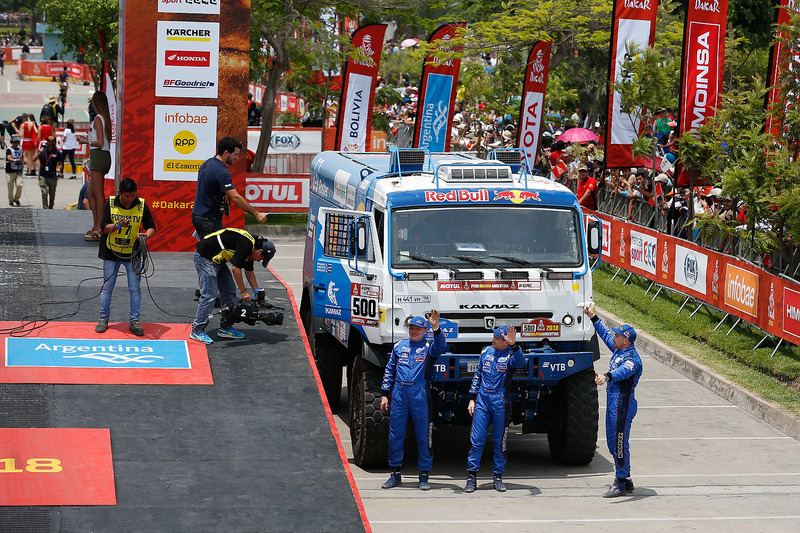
[{"x": 516, "y": 196}]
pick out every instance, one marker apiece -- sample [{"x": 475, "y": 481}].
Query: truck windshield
[{"x": 484, "y": 237}]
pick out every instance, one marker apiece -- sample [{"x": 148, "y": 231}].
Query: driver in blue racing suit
[
  {"x": 624, "y": 371},
  {"x": 407, "y": 380},
  {"x": 490, "y": 403}
]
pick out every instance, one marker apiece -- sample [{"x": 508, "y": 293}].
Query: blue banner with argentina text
[
  {"x": 85, "y": 353},
  {"x": 434, "y": 112}
]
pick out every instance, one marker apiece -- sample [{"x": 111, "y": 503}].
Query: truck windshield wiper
[
  {"x": 425, "y": 259},
  {"x": 475, "y": 261},
  {"x": 515, "y": 260}
]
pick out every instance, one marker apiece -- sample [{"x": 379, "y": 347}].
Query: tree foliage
[{"x": 79, "y": 21}]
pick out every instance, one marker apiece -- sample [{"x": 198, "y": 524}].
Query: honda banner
[
  {"x": 533, "y": 91},
  {"x": 354, "y": 125},
  {"x": 781, "y": 61},
  {"x": 634, "y": 24},
  {"x": 438, "y": 91},
  {"x": 703, "y": 66}
]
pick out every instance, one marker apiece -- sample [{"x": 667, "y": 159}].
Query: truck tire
[
  {"x": 369, "y": 427},
  {"x": 327, "y": 354},
  {"x": 574, "y": 441}
]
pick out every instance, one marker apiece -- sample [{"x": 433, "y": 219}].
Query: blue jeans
[
  {"x": 214, "y": 279},
  {"x": 110, "y": 270}
]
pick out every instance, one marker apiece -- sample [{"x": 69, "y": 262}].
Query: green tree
[{"x": 79, "y": 21}]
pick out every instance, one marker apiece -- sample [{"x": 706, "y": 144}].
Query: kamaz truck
[{"x": 393, "y": 235}]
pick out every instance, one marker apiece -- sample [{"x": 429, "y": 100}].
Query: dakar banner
[
  {"x": 634, "y": 24},
  {"x": 437, "y": 94},
  {"x": 783, "y": 59},
  {"x": 703, "y": 67},
  {"x": 531, "y": 112},
  {"x": 736, "y": 287},
  {"x": 354, "y": 125},
  {"x": 182, "y": 84}
]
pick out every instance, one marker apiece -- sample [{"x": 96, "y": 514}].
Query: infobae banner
[
  {"x": 703, "y": 67},
  {"x": 634, "y": 24},
  {"x": 783, "y": 59},
  {"x": 354, "y": 125},
  {"x": 182, "y": 85},
  {"x": 531, "y": 112},
  {"x": 437, "y": 94}
]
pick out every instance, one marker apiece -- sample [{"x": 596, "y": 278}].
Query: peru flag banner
[
  {"x": 634, "y": 23},
  {"x": 531, "y": 112},
  {"x": 782, "y": 60},
  {"x": 703, "y": 67},
  {"x": 437, "y": 94},
  {"x": 354, "y": 125}
]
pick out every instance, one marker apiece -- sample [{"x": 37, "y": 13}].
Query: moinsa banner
[
  {"x": 183, "y": 76},
  {"x": 703, "y": 67},
  {"x": 354, "y": 126},
  {"x": 531, "y": 112},
  {"x": 437, "y": 94},
  {"x": 783, "y": 59},
  {"x": 634, "y": 24}
]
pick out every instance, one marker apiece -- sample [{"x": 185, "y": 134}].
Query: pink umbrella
[
  {"x": 407, "y": 43},
  {"x": 578, "y": 135}
]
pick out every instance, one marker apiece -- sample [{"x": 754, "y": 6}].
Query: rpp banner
[{"x": 634, "y": 23}]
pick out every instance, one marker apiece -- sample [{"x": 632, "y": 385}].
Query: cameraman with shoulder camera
[{"x": 240, "y": 249}]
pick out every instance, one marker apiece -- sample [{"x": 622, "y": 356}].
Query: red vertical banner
[
  {"x": 437, "y": 94},
  {"x": 182, "y": 85},
  {"x": 782, "y": 59},
  {"x": 634, "y": 23},
  {"x": 531, "y": 111},
  {"x": 703, "y": 66},
  {"x": 354, "y": 126}
]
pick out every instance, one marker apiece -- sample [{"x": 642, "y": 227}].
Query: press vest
[
  {"x": 122, "y": 240},
  {"x": 225, "y": 255},
  {"x": 13, "y": 167}
]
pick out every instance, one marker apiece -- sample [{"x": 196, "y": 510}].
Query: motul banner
[
  {"x": 354, "y": 125},
  {"x": 781, "y": 61},
  {"x": 770, "y": 302},
  {"x": 703, "y": 66},
  {"x": 634, "y": 24},
  {"x": 531, "y": 112},
  {"x": 437, "y": 93}
]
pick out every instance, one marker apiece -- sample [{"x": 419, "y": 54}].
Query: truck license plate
[{"x": 472, "y": 366}]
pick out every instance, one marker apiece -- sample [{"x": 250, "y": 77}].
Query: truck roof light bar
[
  {"x": 466, "y": 275},
  {"x": 407, "y": 160},
  {"x": 514, "y": 274},
  {"x": 516, "y": 158},
  {"x": 460, "y": 173}
]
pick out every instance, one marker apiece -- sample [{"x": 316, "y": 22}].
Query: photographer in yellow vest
[{"x": 126, "y": 218}]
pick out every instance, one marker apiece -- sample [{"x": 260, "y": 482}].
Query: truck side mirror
[{"x": 593, "y": 239}]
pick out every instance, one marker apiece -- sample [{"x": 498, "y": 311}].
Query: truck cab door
[{"x": 343, "y": 245}]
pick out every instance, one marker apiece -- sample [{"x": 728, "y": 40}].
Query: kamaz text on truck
[{"x": 393, "y": 235}]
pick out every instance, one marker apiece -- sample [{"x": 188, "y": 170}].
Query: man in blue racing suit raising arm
[
  {"x": 490, "y": 404},
  {"x": 407, "y": 380},
  {"x": 624, "y": 371}
]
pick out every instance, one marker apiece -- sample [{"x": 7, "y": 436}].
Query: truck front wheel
[
  {"x": 369, "y": 427},
  {"x": 574, "y": 440}
]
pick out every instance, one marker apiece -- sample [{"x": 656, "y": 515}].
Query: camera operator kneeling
[{"x": 240, "y": 249}]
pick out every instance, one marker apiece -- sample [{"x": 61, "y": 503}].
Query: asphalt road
[{"x": 698, "y": 461}]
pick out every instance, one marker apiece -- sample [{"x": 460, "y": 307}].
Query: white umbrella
[{"x": 407, "y": 43}]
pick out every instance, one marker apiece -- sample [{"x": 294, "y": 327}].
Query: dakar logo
[
  {"x": 638, "y": 4},
  {"x": 771, "y": 307},
  {"x": 622, "y": 243},
  {"x": 537, "y": 68},
  {"x": 715, "y": 279},
  {"x": 707, "y": 5},
  {"x": 516, "y": 196},
  {"x": 445, "y": 48},
  {"x": 366, "y": 50},
  {"x": 665, "y": 259}
]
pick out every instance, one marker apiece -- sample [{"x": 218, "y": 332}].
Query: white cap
[
  {"x": 662, "y": 178},
  {"x": 716, "y": 191}
]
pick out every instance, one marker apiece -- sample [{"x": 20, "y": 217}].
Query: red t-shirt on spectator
[{"x": 589, "y": 184}]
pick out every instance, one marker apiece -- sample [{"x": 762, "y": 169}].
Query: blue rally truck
[{"x": 392, "y": 235}]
